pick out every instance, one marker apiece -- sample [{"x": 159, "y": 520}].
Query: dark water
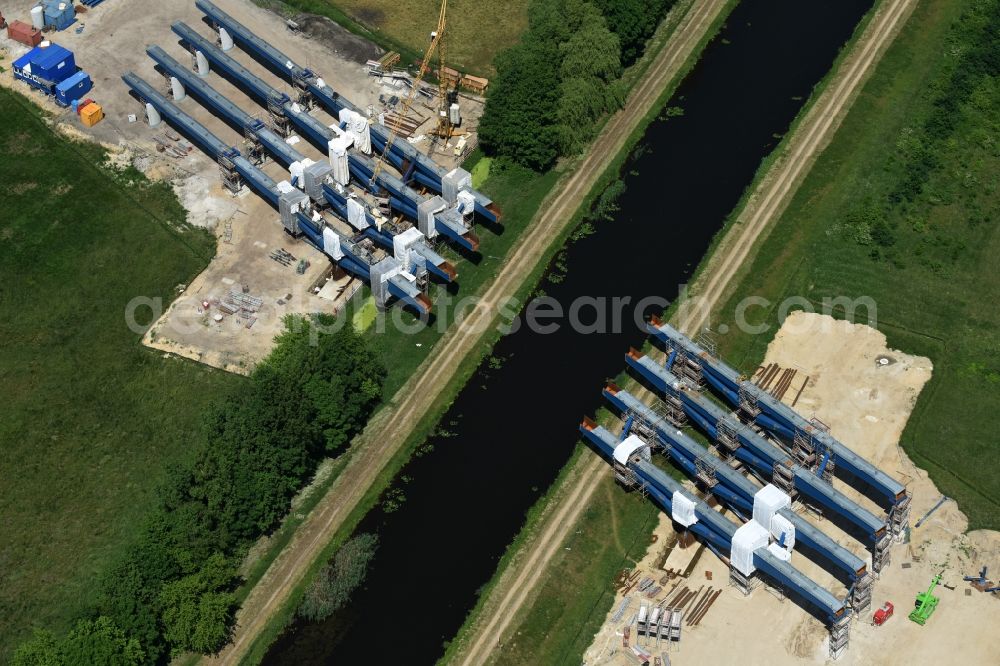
[{"x": 513, "y": 428}]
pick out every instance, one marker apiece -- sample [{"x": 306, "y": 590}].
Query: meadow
[
  {"x": 901, "y": 208},
  {"x": 475, "y": 33},
  {"x": 91, "y": 418}
]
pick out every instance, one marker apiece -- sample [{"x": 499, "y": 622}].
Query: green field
[
  {"x": 475, "y": 33},
  {"x": 91, "y": 419},
  {"x": 902, "y": 208}
]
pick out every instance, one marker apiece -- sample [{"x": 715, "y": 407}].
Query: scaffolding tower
[
  {"x": 726, "y": 435},
  {"x": 688, "y": 366},
  {"x": 231, "y": 179},
  {"x": 840, "y": 636},
  {"x": 860, "y": 597},
  {"x": 881, "y": 556},
  {"x": 748, "y": 401},
  {"x": 253, "y": 150},
  {"x": 899, "y": 516},
  {"x": 741, "y": 581},
  {"x": 810, "y": 452},
  {"x": 783, "y": 476},
  {"x": 706, "y": 470},
  {"x": 279, "y": 122}
]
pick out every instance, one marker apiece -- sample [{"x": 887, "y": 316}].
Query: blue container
[
  {"x": 44, "y": 67},
  {"x": 73, "y": 88},
  {"x": 59, "y": 13},
  {"x": 53, "y": 62}
]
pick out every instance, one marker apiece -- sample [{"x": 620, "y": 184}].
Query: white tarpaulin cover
[
  {"x": 748, "y": 538},
  {"x": 682, "y": 509},
  {"x": 781, "y": 525},
  {"x": 356, "y": 214},
  {"x": 625, "y": 450},
  {"x": 401, "y": 244},
  {"x": 767, "y": 502},
  {"x": 331, "y": 244},
  {"x": 780, "y": 553},
  {"x": 466, "y": 202}
]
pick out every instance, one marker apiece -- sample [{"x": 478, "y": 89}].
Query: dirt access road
[
  {"x": 766, "y": 203},
  {"x": 389, "y": 430}
]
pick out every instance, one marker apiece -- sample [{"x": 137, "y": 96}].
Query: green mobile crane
[{"x": 926, "y": 603}]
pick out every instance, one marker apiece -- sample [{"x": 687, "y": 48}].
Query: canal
[{"x": 513, "y": 427}]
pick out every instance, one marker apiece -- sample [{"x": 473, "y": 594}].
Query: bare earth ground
[
  {"x": 764, "y": 206},
  {"x": 113, "y": 41},
  {"x": 390, "y": 429}
]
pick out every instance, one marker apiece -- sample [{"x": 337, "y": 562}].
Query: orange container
[{"x": 91, "y": 114}]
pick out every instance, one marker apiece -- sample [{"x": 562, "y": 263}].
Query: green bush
[
  {"x": 552, "y": 88},
  {"x": 97, "y": 641}
]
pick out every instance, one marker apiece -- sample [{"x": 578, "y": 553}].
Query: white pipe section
[
  {"x": 152, "y": 115},
  {"x": 225, "y": 39},
  {"x": 203, "y": 68},
  {"x": 177, "y": 88}
]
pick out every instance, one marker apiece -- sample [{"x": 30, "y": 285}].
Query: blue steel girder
[
  {"x": 241, "y": 76},
  {"x": 259, "y": 181},
  {"x": 361, "y": 167},
  {"x": 782, "y": 419},
  {"x": 224, "y": 108},
  {"x": 700, "y": 409},
  {"x": 427, "y": 172},
  {"x": 684, "y": 450},
  {"x": 714, "y": 527}
]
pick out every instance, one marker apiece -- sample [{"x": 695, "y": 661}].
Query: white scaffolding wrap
[
  {"x": 357, "y": 125},
  {"x": 337, "y": 149},
  {"x": 331, "y": 244},
  {"x": 295, "y": 170},
  {"x": 466, "y": 202},
  {"x": 781, "y": 525},
  {"x": 748, "y": 538},
  {"x": 768, "y": 501},
  {"x": 403, "y": 243},
  {"x": 356, "y": 214},
  {"x": 682, "y": 509}
]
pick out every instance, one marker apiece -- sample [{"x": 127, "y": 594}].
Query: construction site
[
  {"x": 779, "y": 528},
  {"x": 320, "y": 163},
  {"x": 792, "y": 527}
]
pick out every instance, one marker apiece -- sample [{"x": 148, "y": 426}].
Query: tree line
[
  {"x": 173, "y": 589},
  {"x": 564, "y": 75}
]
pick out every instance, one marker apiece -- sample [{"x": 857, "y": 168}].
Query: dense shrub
[
  {"x": 553, "y": 87},
  {"x": 97, "y": 641},
  {"x": 335, "y": 582}
]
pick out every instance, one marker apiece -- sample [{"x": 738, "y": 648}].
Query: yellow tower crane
[{"x": 435, "y": 45}]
